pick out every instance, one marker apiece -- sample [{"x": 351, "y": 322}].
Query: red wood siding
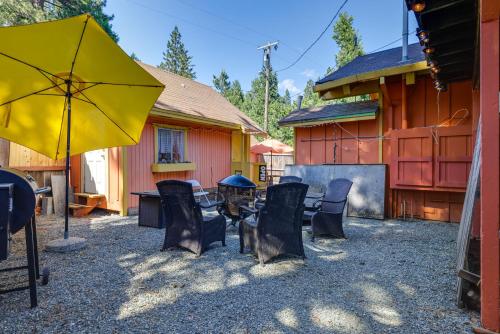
[
  {"x": 302, "y": 146},
  {"x": 411, "y": 163},
  {"x": 437, "y": 159},
  {"x": 417, "y": 164},
  {"x": 317, "y": 145},
  {"x": 114, "y": 195},
  {"x": 489, "y": 42},
  {"x": 208, "y": 147},
  {"x": 432, "y": 205}
]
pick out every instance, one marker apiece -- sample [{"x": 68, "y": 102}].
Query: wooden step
[
  {"x": 87, "y": 195},
  {"x": 94, "y": 200},
  {"x": 79, "y": 210}
]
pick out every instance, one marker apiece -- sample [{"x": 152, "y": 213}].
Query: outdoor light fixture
[
  {"x": 432, "y": 63},
  {"x": 423, "y": 37},
  {"x": 440, "y": 86},
  {"x": 429, "y": 50},
  {"x": 435, "y": 69},
  {"x": 417, "y": 5}
]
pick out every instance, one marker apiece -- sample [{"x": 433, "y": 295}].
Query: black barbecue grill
[
  {"x": 18, "y": 197},
  {"x": 235, "y": 190}
]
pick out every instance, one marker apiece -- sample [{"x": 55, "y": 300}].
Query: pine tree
[
  {"x": 253, "y": 106},
  {"x": 176, "y": 59},
  {"x": 347, "y": 39},
  {"x": 14, "y": 12},
  {"x": 134, "y": 56},
  {"x": 287, "y": 99},
  {"x": 222, "y": 83},
  {"x": 311, "y": 98},
  {"x": 235, "y": 94}
]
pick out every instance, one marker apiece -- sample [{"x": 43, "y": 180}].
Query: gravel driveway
[{"x": 388, "y": 277}]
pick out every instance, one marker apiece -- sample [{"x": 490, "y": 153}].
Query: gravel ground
[{"x": 388, "y": 277}]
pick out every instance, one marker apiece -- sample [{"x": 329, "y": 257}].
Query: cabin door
[{"x": 95, "y": 175}]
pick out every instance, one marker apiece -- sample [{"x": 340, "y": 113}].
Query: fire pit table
[
  {"x": 236, "y": 191},
  {"x": 150, "y": 210}
]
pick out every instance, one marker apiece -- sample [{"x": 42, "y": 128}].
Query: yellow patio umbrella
[{"x": 67, "y": 88}]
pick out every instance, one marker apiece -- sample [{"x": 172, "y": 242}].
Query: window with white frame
[{"x": 171, "y": 145}]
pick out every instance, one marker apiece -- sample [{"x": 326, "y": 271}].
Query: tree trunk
[{"x": 4, "y": 152}]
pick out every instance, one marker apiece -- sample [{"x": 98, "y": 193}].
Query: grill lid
[
  {"x": 24, "y": 196},
  {"x": 237, "y": 180}
]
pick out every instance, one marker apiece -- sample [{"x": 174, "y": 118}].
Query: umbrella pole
[
  {"x": 66, "y": 244},
  {"x": 68, "y": 143},
  {"x": 272, "y": 180}
]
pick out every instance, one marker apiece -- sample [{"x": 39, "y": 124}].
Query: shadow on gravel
[{"x": 387, "y": 277}]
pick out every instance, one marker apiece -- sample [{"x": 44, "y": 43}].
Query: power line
[
  {"x": 204, "y": 28},
  {"x": 267, "y": 36},
  {"x": 390, "y": 43},
  {"x": 192, "y": 23},
  {"x": 316, "y": 40}
]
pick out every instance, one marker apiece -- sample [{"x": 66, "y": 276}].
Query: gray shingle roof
[
  {"x": 376, "y": 61},
  {"x": 330, "y": 112}
]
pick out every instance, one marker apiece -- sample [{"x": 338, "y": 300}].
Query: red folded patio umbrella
[{"x": 271, "y": 145}]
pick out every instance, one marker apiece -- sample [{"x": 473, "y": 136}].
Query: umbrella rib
[
  {"x": 95, "y": 83},
  {"x": 86, "y": 101},
  {"x": 30, "y": 94},
  {"x": 102, "y": 111},
  {"x": 48, "y": 94},
  {"x": 29, "y": 65},
  {"x": 81, "y": 90},
  {"x": 78, "y": 47}
]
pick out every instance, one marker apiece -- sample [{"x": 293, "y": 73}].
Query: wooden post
[
  {"x": 404, "y": 104},
  {"x": 4, "y": 152},
  {"x": 490, "y": 187}
]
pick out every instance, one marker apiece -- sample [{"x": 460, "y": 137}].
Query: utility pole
[{"x": 267, "y": 67}]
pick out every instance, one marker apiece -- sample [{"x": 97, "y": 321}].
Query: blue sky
[{"x": 226, "y": 33}]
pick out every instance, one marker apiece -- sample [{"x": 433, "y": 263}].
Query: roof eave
[
  {"x": 336, "y": 119},
  {"x": 372, "y": 75},
  {"x": 155, "y": 111}
]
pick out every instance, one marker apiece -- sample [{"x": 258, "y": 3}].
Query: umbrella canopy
[
  {"x": 271, "y": 145},
  {"x": 41, "y": 63},
  {"x": 67, "y": 88}
]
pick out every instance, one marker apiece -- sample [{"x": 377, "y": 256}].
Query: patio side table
[{"x": 150, "y": 209}]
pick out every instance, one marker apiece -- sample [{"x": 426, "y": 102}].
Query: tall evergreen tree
[
  {"x": 347, "y": 39},
  {"x": 253, "y": 106},
  {"x": 14, "y": 12},
  {"x": 235, "y": 94},
  {"x": 134, "y": 56},
  {"x": 287, "y": 99},
  {"x": 176, "y": 59},
  {"x": 311, "y": 98},
  {"x": 221, "y": 82}
]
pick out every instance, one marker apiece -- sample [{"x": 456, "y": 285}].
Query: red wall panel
[
  {"x": 208, "y": 147},
  {"x": 302, "y": 146},
  {"x": 317, "y": 138}
]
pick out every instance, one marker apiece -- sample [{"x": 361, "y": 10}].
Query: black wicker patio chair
[
  {"x": 186, "y": 226},
  {"x": 289, "y": 178},
  {"x": 277, "y": 229},
  {"x": 259, "y": 200},
  {"x": 327, "y": 220}
]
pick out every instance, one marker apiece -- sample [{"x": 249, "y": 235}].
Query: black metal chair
[
  {"x": 327, "y": 220},
  {"x": 277, "y": 230},
  {"x": 186, "y": 226},
  {"x": 289, "y": 178}
]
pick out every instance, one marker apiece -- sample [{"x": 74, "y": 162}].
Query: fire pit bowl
[{"x": 235, "y": 190}]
